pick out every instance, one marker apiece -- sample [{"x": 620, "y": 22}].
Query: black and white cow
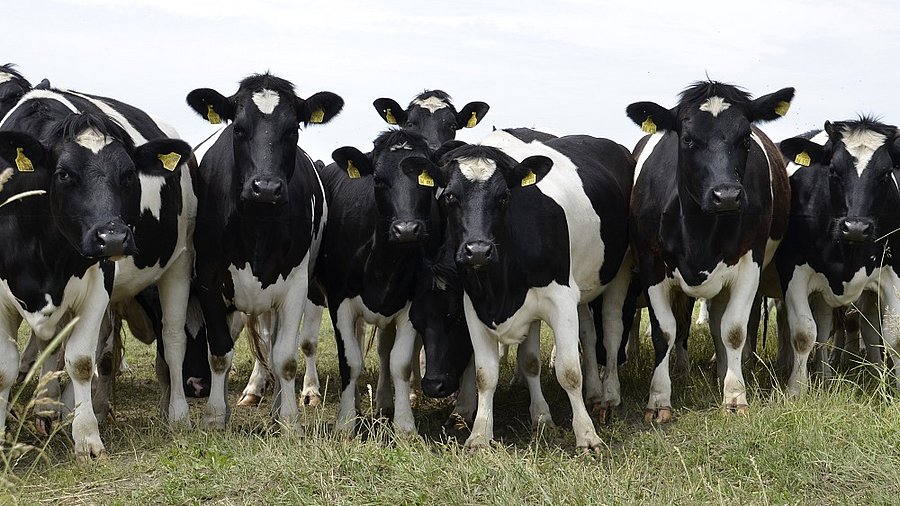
[
  {"x": 261, "y": 214},
  {"x": 432, "y": 115},
  {"x": 382, "y": 214},
  {"x": 13, "y": 86},
  {"x": 708, "y": 209},
  {"x": 537, "y": 230},
  {"x": 81, "y": 151},
  {"x": 845, "y": 211}
]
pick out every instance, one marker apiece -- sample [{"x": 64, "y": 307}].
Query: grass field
[{"x": 838, "y": 445}]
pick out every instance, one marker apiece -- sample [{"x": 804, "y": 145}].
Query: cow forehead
[
  {"x": 862, "y": 144},
  {"x": 715, "y": 106},
  {"x": 477, "y": 169},
  {"x": 431, "y": 103},
  {"x": 266, "y": 100},
  {"x": 4, "y": 77},
  {"x": 93, "y": 140}
]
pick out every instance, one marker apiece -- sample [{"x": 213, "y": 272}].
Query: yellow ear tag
[
  {"x": 352, "y": 171},
  {"x": 782, "y": 108},
  {"x": 317, "y": 116},
  {"x": 212, "y": 115},
  {"x": 389, "y": 117},
  {"x": 529, "y": 179},
  {"x": 802, "y": 158},
  {"x": 23, "y": 163},
  {"x": 169, "y": 161},
  {"x": 472, "y": 121},
  {"x": 425, "y": 179},
  {"x": 648, "y": 126}
]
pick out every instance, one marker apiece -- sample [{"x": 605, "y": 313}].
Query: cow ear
[
  {"x": 772, "y": 106},
  {"x": 390, "y": 111},
  {"x": 529, "y": 171},
  {"x": 161, "y": 157},
  {"x": 425, "y": 170},
  {"x": 22, "y": 152},
  {"x": 471, "y": 114},
  {"x": 211, "y": 105},
  {"x": 804, "y": 152},
  {"x": 319, "y": 108},
  {"x": 651, "y": 117},
  {"x": 354, "y": 162},
  {"x": 446, "y": 148}
]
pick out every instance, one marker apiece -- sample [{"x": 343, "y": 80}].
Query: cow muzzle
[
  {"x": 726, "y": 197},
  {"x": 855, "y": 230},
  {"x": 265, "y": 191},
  {"x": 476, "y": 254},
  {"x": 441, "y": 385},
  {"x": 112, "y": 239},
  {"x": 406, "y": 231}
]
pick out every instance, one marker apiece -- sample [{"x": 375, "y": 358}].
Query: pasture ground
[{"x": 838, "y": 445}]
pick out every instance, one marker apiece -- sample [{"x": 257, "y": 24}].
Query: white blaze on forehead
[
  {"x": 431, "y": 103},
  {"x": 93, "y": 140},
  {"x": 862, "y": 144},
  {"x": 477, "y": 169},
  {"x": 5, "y": 77},
  {"x": 715, "y": 106},
  {"x": 266, "y": 100},
  {"x": 403, "y": 145}
]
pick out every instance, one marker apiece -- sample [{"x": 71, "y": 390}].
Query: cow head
[
  {"x": 432, "y": 115},
  {"x": 859, "y": 158},
  {"x": 12, "y": 88},
  {"x": 404, "y": 189},
  {"x": 713, "y": 123},
  {"x": 90, "y": 168},
  {"x": 265, "y": 114},
  {"x": 479, "y": 183}
]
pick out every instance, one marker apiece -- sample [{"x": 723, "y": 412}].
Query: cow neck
[
  {"x": 390, "y": 268},
  {"x": 495, "y": 290},
  {"x": 264, "y": 233}
]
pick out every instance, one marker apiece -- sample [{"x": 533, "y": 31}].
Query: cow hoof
[
  {"x": 457, "y": 422},
  {"x": 43, "y": 425},
  {"x": 311, "y": 399},
  {"x": 604, "y": 415},
  {"x": 215, "y": 422},
  {"x": 542, "y": 421},
  {"x": 741, "y": 409},
  {"x": 477, "y": 444},
  {"x": 90, "y": 451},
  {"x": 659, "y": 415},
  {"x": 251, "y": 400}
]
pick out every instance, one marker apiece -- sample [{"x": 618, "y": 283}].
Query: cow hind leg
[
  {"x": 590, "y": 370},
  {"x": 401, "y": 358},
  {"x": 311, "y": 394},
  {"x": 9, "y": 363},
  {"x": 350, "y": 352},
  {"x": 174, "y": 290},
  {"x": 259, "y": 334},
  {"x": 528, "y": 357}
]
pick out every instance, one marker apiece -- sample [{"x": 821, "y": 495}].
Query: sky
[{"x": 565, "y": 66}]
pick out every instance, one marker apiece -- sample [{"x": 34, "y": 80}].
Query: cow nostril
[{"x": 255, "y": 187}]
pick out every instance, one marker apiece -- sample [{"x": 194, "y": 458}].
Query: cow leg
[
  {"x": 284, "y": 349},
  {"x": 401, "y": 366},
  {"x": 784, "y": 357},
  {"x": 351, "y": 363},
  {"x": 871, "y": 328},
  {"x": 174, "y": 289},
  {"x": 590, "y": 371},
  {"x": 734, "y": 333},
  {"x": 29, "y": 355},
  {"x": 824, "y": 316},
  {"x": 47, "y": 401},
  {"x": 715, "y": 312},
  {"x": 81, "y": 348},
  {"x": 891, "y": 322},
  {"x": 528, "y": 356},
  {"x": 259, "y": 334},
  {"x": 615, "y": 298},
  {"x": 803, "y": 332},
  {"x": 108, "y": 355},
  {"x": 384, "y": 401},
  {"x": 418, "y": 365},
  {"x": 563, "y": 319},
  {"x": 309, "y": 343},
  {"x": 487, "y": 372},
  {"x": 664, "y": 327},
  {"x": 9, "y": 361},
  {"x": 466, "y": 398}
]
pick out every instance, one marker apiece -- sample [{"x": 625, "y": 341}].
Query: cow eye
[
  {"x": 378, "y": 180},
  {"x": 62, "y": 175},
  {"x": 240, "y": 132},
  {"x": 688, "y": 141},
  {"x": 450, "y": 198}
]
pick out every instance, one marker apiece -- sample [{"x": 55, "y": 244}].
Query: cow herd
[{"x": 460, "y": 249}]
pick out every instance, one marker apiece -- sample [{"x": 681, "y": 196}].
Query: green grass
[{"x": 838, "y": 445}]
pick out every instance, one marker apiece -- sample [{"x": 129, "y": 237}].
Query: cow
[
  {"x": 13, "y": 86},
  {"x": 537, "y": 231},
  {"x": 845, "y": 209},
  {"x": 431, "y": 114},
  {"x": 261, "y": 214},
  {"x": 383, "y": 213},
  {"x": 78, "y": 149},
  {"x": 708, "y": 210}
]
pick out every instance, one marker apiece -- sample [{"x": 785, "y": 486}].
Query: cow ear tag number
[
  {"x": 648, "y": 126},
  {"x": 802, "y": 158},
  {"x": 425, "y": 179},
  {"x": 529, "y": 179},
  {"x": 169, "y": 161},
  {"x": 317, "y": 116},
  {"x": 782, "y": 108},
  {"x": 389, "y": 117},
  {"x": 23, "y": 163},
  {"x": 352, "y": 171},
  {"x": 212, "y": 115},
  {"x": 473, "y": 120}
]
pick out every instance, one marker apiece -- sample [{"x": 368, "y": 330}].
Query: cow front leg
[
  {"x": 803, "y": 333},
  {"x": 487, "y": 372},
  {"x": 528, "y": 359},
  {"x": 464, "y": 409},
  {"x": 350, "y": 356},
  {"x": 174, "y": 290},
  {"x": 311, "y": 394},
  {"x": 891, "y": 322},
  {"x": 259, "y": 334},
  {"x": 401, "y": 358},
  {"x": 612, "y": 309},
  {"x": 284, "y": 352},
  {"x": 663, "y": 326},
  {"x": 9, "y": 361},
  {"x": 385, "y": 339},
  {"x": 734, "y": 335}
]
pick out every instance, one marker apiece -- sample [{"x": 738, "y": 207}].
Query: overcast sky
[{"x": 568, "y": 66}]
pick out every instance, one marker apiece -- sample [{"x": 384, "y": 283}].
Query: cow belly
[
  {"x": 818, "y": 283},
  {"x": 721, "y": 276},
  {"x": 356, "y": 307},
  {"x": 252, "y": 298}
]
